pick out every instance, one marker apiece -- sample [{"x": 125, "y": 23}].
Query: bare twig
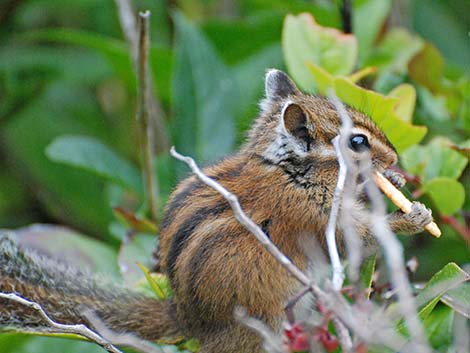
[
  {"x": 351, "y": 238},
  {"x": 129, "y": 26},
  {"x": 144, "y": 117},
  {"x": 293, "y": 301},
  {"x": 346, "y": 16},
  {"x": 122, "y": 339},
  {"x": 128, "y": 22},
  {"x": 244, "y": 220},
  {"x": 343, "y": 335},
  {"x": 338, "y": 271},
  {"x": 460, "y": 228},
  {"x": 78, "y": 329},
  {"x": 271, "y": 340}
]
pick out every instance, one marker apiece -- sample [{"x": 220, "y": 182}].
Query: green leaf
[
  {"x": 230, "y": 36},
  {"x": 448, "y": 194},
  {"x": 303, "y": 40},
  {"x": 136, "y": 249},
  {"x": 368, "y": 19},
  {"x": 204, "y": 96},
  {"x": 406, "y": 94},
  {"x": 26, "y": 343},
  {"x": 91, "y": 155},
  {"x": 427, "y": 68},
  {"x": 367, "y": 272},
  {"x": 70, "y": 246},
  {"x": 436, "y": 159},
  {"x": 449, "y": 277},
  {"x": 249, "y": 75},
  {"x": 65, "y": 193},
  {"x": 395, "y": 51},
  {"x": 115, "y": 51},
  {"x": 381, "y": 109},
  {"x": 458, "y": 298},
  {"x": 438, "y": 327}
]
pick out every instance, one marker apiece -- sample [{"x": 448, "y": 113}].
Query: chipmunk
[{"x": 284, "y": 176}]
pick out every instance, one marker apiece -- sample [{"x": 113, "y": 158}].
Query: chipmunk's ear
[
  {"x": 279, "y": 86},
  {"x": 295, "y": 122}
]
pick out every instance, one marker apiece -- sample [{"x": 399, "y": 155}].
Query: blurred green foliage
[{"x": 69, "y": 151}]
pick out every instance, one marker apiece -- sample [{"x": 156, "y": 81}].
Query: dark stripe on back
[
  {"x": 178, "y": 201},
  {"x": 186, "y": 229},
  {"x": 196, "y": 266}
]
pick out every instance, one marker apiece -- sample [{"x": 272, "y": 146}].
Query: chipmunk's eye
[{"x": 359, "y": 143}]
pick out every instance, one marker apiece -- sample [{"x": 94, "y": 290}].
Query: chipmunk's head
[{"x": 297, "y": 129}]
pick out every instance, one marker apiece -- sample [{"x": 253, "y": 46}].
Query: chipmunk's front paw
[
  {"x": 396, "y": 178},
  {"x": 413, "y": 222}
]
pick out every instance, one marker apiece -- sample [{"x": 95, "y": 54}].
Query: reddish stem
[{"x": 457, "y": 226}]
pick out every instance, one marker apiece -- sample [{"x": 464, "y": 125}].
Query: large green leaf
[
  {"x": 63, "y": 193},
  {"x": 406, "y": 94},
  {"x": 91, "y": 155},
  {"x": 230, "y": 36},
  {"x": 427, "y": 68},
  {"x": 458, "y": 298},
  {"x": 303, "y": 40},
  {"x": 68, "y": 245},
  {"x": 204, "y": 96},
  {"x": 135, "y": 249},
  {"x": 18, "y": 343},
  {"x": 115, "y": 51},
  {"x": 449, "y": 277},
  {"x": 436, "y": 159},
  {"x": 448, "y": 194},
  {"x": 395, "y": 51},
  {"x": 249, "y": 75},
  {"x": 438, "y": 327}
]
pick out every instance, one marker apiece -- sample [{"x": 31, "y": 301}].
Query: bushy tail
[{"x": 66, "y": 293}]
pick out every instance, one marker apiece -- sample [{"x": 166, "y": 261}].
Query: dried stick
[
  {"x": 338, "y": 271},
  {"x": 400, "y": 200},
  {"x": 78, "y": 329},
  {"x": 127, "y": 18},
  {"x": 122, "y": 339},
  {"x": 143, "y": 115},
  {"x": 244, "y": 220},
  {"x": 271, "y": 340}
]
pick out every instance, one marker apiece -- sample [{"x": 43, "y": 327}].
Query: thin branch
[
  {"x": 122, "y": 339},
  {"x": 338, "y": 271},
  {"x": 271, "y": 340},
  {"x": 143, "y": 115},
  {"x": 78, "y": 329},
  {"x": 343, "y": 335},
  {"x": 128, "y": 22},
  {"x": 127, "y": 18},
  {"x": 346, "y": 16},
  {"x": 244, "y": 220},
  {"x": 460, "y": 228}
]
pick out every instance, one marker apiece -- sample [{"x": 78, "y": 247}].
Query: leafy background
[{"x": 69, "y": 151}]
